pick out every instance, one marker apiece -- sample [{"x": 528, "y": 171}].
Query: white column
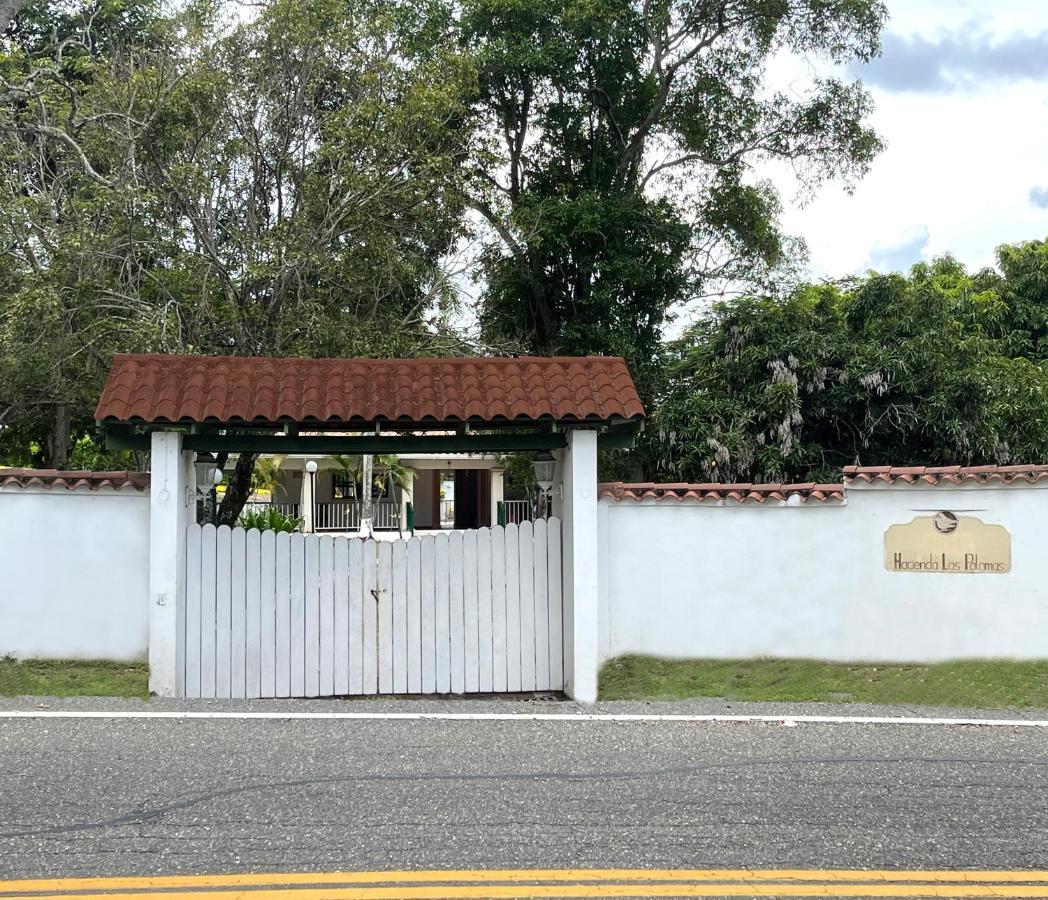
[
  {"x": 498, "y": 492},
  {"x": 407, "y": 495},
  {"x": 581, "y": 598},
  {"x": 305, "y": 502},
  {"x": 172, "y": 503}
]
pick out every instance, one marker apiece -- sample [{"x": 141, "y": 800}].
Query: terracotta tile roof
[
  {"x": 362, "y": 391},
  {"x": 944, "y": 474},
  {"x": 715, "y": 491},
  {"x": 73, "y": 480}
]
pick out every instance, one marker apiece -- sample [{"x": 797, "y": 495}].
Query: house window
[{"x": 343, "y": 486}]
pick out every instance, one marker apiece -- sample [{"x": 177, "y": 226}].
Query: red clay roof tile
[
  {"x": 947, "y": 474},
  {"x": 257, "y": 390},
  {"x": 712, "y": 491},
  {"x": 72, "y": 480}
]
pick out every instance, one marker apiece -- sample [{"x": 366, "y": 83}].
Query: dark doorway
[{"x": 467, "y": 497}]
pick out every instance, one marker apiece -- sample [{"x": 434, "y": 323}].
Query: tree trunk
[
  {"x": 238, "y": 489},
  {"x": 60, "y": 439}
]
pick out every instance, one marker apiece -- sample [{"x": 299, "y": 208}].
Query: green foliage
[
  {"x": 267, "y": 472},
  {"x": 614, "y": 160},
  {"x": 519, "y": 479},
  {"x": 192, "y": 182},
  {"x": 269, "y": 520},
  {"x": 383, "y": 465},
  {"x": 940, "y": 367},
  {"x": 90, "y": 454}
]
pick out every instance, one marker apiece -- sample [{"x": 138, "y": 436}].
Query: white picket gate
[{"x": 291, "y": 615}]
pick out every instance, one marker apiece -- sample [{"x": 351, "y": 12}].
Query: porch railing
[
  {"x": 518, "y": 511},
  {"x": 344, "y": 515}
]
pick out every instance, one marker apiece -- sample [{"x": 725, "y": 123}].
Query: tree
[
  {"x": 286, "y": 186},
  {"x": 940, "y": 367},
  {"x": 614, "y": 164}
]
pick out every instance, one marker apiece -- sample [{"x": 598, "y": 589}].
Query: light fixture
[
  {"x": 311, "y": 466},
  {"x": 545, "y": 470},
  {"x": 207, "y": 473}
]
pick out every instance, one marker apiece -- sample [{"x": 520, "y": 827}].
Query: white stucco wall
[
  {"x": 74, "y": 573},
  {"x": 683, "y": 579}
]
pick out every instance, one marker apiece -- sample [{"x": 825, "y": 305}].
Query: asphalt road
[{"x": 91, "y": 797}]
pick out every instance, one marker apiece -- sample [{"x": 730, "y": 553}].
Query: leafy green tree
[
  {"x": 940, "y": 367},
  {"x": 614, "y": 163},
  {"x": 285, "y": 186}
]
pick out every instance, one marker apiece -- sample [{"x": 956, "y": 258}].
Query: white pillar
[
  {"x": 172, "y": 504},
  {"x": 498, "y": 492},
  {"x": 407, "y": 495},
  {"x": 581, "y": 599},
  {"x": 306, "y": 502}
]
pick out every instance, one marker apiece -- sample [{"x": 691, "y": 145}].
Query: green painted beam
[
  {"x": 356, "y": 444},
  {"x": 127, "y": 437},
  {"x": 616, "y": 440}
]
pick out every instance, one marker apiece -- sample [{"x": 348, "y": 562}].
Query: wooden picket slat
[
  {"x": 400, "y": 617},
  {"x": 428, "y": 600},
  {"x": 369, "y": 657},
  {"x": 282, "y": 630},
  {"x": 442, "y": 625},
  {"x": 414, "y": 615},
  {"x": 279, "y": 615},
  {"x": 297, "y": 657},
  {"x": 499, "y": 678},
  {"x": 311, "y": 616},
  {"x": 223, "y": 538},
  {"x": 252, "y": 614},
  {"x": 237, "y": 613},
  {"x": 191, "y": 676},
  {"x": 384, "y": 621},
  {"x": 325, "y": 561},
  {"x": 356, "y": 617},
  {"x": 267, "y": 626},
  {"x": 470, "y": 614},
  {"x": 540, "y": 589},
  {"x": 513, "y": 683},
  {"x": 457, "y": 626},
  {"x": 208, "y": 591},
  {"x": 526, "y": 580},
  {"x": 485, "y": 678},
  {"x": 340, "y": 576},
  {"x": 556, "y": 613}
]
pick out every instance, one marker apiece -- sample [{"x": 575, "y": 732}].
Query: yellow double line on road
[{"x": 500, "y": 883}]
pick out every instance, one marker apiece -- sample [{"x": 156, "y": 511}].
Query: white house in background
[{"x": 445, "y": 491}]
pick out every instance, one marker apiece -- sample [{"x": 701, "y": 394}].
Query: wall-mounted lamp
[
  {"x": 545, "y": 471},
  {"x": 208, "y": 475}
]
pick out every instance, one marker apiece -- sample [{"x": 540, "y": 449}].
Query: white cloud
[
  {"x": 960, "y": 162},
  {"x": 899, "y": 254},
  {"x": 954, "y": 60}
]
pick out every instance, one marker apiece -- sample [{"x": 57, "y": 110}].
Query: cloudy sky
[{"x": 962, "y": 102}]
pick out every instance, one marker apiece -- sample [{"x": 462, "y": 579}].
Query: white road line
[{"x": 568, "y": 718}]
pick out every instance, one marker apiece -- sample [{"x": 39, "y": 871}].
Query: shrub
[{"x": 269, "y": 520}]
